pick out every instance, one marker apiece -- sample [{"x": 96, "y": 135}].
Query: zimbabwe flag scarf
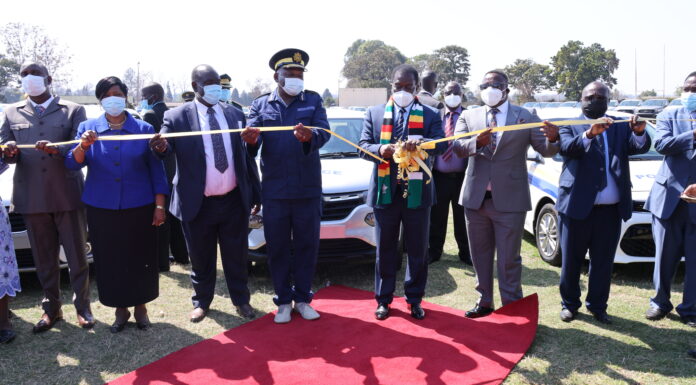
[{"x": 415, "y": 131}]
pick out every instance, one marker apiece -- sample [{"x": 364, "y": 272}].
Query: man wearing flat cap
[
  {"x": 226, "y": 93},
  {"x": 291, "y": 184}
]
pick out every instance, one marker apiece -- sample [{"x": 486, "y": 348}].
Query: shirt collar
[
  {"x": 275, "y": 96},
  {"x": 502, "y": 109},
  {"x": 44, "y": 104},
  {"x": 203, "y": 108},
  {"x": 426, "y": 92},
  {"x": 130, "y": 125},
  {"x": 457, "y": 111}
]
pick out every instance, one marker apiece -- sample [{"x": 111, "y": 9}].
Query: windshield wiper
[{"x": 339, "y": 154}]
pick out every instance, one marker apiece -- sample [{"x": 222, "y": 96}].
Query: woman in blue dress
[{"x": 9, "y": 276}]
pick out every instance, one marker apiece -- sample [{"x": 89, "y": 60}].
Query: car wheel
[{"x": 546, "y": 235}]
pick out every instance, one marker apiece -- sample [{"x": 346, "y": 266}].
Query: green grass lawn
[{"x": 631, "y": 351}]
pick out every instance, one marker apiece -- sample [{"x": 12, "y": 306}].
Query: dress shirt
[
  {"x": 122, "y": 174},
  {"x": 454, "y": 163},
  {"x": 216, "y": 183},
  {"x": 500, "y": 119},
  {"x": 399, "y": 133},
  {"x": 610, "y": 194},
  {"x": 44, "y": 104}
]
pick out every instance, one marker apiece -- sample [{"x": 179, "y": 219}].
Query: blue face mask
[
  {"x": 688, "y": 100},
  {"x": 114, "y": 105},
  {"x": 225, "y": 95},
  {"x": 144, "y": 105},
  {"x": 211, "y": 93}
]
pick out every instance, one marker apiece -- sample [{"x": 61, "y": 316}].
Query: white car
[
  {"x": 628, "y": 106},
  {"x": 636, "y": 242},
  {"x": 347, "y": 223}
]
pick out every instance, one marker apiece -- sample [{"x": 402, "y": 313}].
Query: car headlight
[{"x": 370, "y": 219}]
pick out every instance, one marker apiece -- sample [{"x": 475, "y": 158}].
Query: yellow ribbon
[{"x": 197, "y": 133}]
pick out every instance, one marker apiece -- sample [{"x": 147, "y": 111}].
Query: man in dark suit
[
  {"x": 405, "y": 119},
  {"x": 215, "y": 187},
  {"x": 170, "y": 235},
  {"x": 674, "y": 220},
  {"x": 429, "y": 87},
  {"x": 594, "y": 195},
  {"x": 47, "y": 194}
]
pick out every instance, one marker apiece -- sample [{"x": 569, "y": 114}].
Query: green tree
[
  {"x": 574, "y": 66},
  {"x": 9, "y": 71},
  {"x": 328, "y": 98},
  {"x": 528, "y": 78},
  {"x": 450, "y": 62},
  {"x": 678, "y": 91},
  {"x": 369, "y": 63},
  {"x": 648, "y": 94},
  {"x": 422, "y": 61}
]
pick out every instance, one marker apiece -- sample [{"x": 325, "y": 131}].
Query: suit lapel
[
  {"x": 52, "y": 107},
  {"x": 235, "y": 139}
]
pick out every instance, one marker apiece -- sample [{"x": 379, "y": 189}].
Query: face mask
[
  {"x": 211, "y": 93},
  {"x": 225, "y": 94},
  {"x": 594, "y": 109},
  {"x": 293, "y": 86},
  {"x": 144, "y": 105},
  {"x": 491, "y": 96},
  {"x": 402, "y": 98},
  {"x": 114, "y": 105},
  {"x": 34, "y": 85},
  {"x": 688, "y": 100},
  {"x": 453, "y": 101}
]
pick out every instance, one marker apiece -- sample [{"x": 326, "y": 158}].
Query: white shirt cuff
[
  {"x": 586, "y": 141},
  {"x": 640, "y": 139}
]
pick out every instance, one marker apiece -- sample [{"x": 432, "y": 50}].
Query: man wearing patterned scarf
[{"x": 399, "y": 202}]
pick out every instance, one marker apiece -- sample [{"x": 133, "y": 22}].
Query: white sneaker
[
  {"x": 283, "y": 314},
  {"x": 306, "y": 311}
]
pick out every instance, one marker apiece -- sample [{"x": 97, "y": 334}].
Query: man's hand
[
  {"x": 484, "y": 138},
  {"x": 599, "y": 128},
  {"x": 302, "y": 133},
  {"x": 11, "y": 149},
  {"x": 386, "y": 151},
  {"x": 255, "y": 209},
  {"x": 691, "y": 190},
  {"x": 251, "y": 135},
  {"x": 550, "y": 131},
  {"x": 638, "y": 127},
  {"x": 45, "y": 146},
  {"x": 158, "y": 143},
  {"x": 411, "y": 145}
]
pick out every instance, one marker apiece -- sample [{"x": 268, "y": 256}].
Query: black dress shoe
[
  {"x": 568, "y": 315},
  {"x": 85, "y": 319},
  {"x": 466, "y": 259},
  {"x": 7, "y": 335},
  {"x": 198, "y": 314},
  {"x": 143, "y": 324},
  {"x": 46, "y": 322},
  {"x": 117, "y": 326},
  {"x": 602, "y": 317},
  {"x": 382, "y": 311},
  {"x": 246, "y": 311},
  {"x": 478, "y": 312},
  {"x": 417, "y": 311},
  {"x": 655, "y": 313},
  {"x": 689, "y": 321}
]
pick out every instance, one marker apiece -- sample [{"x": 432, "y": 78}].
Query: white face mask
[
  {"x": 491, "y": 96},
  {"x": 453, "y": 101},
  {"x": 34, "y": 85},
  {"x": 402, "y": 98},
  {"x": 293, "y": 86}
]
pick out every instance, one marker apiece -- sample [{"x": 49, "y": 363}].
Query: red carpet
[{"x": 348, "y": 346}]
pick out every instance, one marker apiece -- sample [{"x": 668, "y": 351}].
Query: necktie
[
  {"x": 449, "y": 131},
  {"x": 219, "y": 154},
  {"x": 399, "y": 131},
  {"x": 489, "y": 150},
  {"x": 600, "y": 145},
  {"x": 39, "y": 110}
]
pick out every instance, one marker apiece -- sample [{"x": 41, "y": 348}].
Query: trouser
[
  {"x": 490, "y": 230},
  {"x": 599, "y": 233},
  {"x": 291, "y": 229},
  {"x": 47, "y": 232},
  {"x": 389, "y": 221},
  {"x": 224, "y": 220},
  {"x": 675, "y": 237},
  {"x": 447, "y": 189}
]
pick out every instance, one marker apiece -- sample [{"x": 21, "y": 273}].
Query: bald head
[
  {"x": 596, "y": 89},
  {"x": 203, "y": 71},
  {"x": 429, "y": 81},
  {"x": 153, "y": 92}
]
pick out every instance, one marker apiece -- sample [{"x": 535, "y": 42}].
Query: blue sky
[{"x": 169, "y": 38}]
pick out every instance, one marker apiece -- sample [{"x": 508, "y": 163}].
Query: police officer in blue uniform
[{"x": 291, "y": 183}]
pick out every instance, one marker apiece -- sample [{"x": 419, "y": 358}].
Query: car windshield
[
  {"x": 613, "y": 103},
  {"x": 348, "y": 128},
  {"x": 676, "y": 102},
  {"x": 654, "y": 102},
  {"x": 629, "y": 103},
  {"x": 554, "y": 105},
  {"x": 528, "y": 104},
  {"x": 568, "y": 104}
]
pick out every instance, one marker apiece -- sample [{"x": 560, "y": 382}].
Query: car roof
[
  {"x": 343, "y": 113},
  {"x": 572, "y": 113}
]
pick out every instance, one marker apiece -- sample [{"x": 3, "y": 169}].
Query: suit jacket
[
  {"x": 189, "y": 181},
  {"x": 507, "y": 170},
  {"x": 370, "y": 138},
  {"x": 675, "y": 140},
  {"x": 42, "y": 184},
  {"x": 426, "y": 98},
  {"x": 578, "y": 185}
]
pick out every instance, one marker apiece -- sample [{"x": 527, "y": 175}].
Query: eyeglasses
[{"x": 500, "y": 86}]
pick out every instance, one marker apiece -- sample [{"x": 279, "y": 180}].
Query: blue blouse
[{"x": 121, "y": 174}]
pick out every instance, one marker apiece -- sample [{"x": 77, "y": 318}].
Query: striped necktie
[
  {"x": 449, "y": 131},
  {"x": 39, "y": 109},
  {"x": 489, "y": 150}
]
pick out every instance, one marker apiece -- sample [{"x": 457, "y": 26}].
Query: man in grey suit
[
  {"x": 47, "y": 194},
  {"x": 495, "y": 194},
  {"x": 428, "y": 88},
  {"x": 674, "y": 220}
]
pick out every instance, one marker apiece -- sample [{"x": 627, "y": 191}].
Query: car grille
[
  {"x": 639, "y": 206},
  {"x": 646, "y": 111},
  {"x": 338, "y": 206},
  {"x": 638, "y": 241},
  {"x": 24, "y": 258},
  {"x": 16, "y": 221},
  {"x": 333, "y": 248}
]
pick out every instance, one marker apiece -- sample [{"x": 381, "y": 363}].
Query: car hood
[
  {"x": 345, "y": 175},
  {"x": 642, "y": 177}
]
